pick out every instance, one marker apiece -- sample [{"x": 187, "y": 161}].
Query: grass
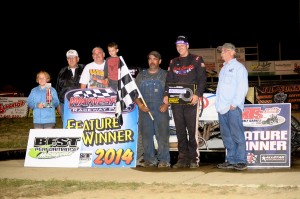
[
  {"x": 14, "y": 131},
  {"x": 24, "y": 188},
  {"x": 17, "y": 188}
]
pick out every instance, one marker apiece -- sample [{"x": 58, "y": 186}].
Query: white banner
[
  {"x": 53, "y": 148},
  {"x": 13, "y": 107}
]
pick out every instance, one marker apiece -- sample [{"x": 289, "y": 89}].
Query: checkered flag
[
  {"x": 127, "y": 90},
  {"x": 96, "y": 92}
]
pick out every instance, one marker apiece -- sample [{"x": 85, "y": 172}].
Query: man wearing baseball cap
[
  {"x": 186, "y": 69},
  {"x": 151, "y": 83},
  {"x": 230, "y": 98},
  {"x": 68, "y": 78}
]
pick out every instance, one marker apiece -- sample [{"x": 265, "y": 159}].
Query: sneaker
[
  {"x": 194, "y": 165},
  {"x": 240, "y": 166},
  {"x": 226, "y": 165},
  {"x": 181, "y": 165},
  {"x": 149, "y": 164},
  {"x": 164, "y": 165}
]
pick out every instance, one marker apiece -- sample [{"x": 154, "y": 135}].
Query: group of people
[
  {"x": 153, "y": 84},
  {"x": 73, "y": 76}
]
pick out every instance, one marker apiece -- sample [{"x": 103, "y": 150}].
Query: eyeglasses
[
  {"x": 224, "y": 51},
  {"x": 71, "y": 57},
  {"x": 42, "y": 78}
]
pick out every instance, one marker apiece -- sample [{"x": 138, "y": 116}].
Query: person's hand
[
  {"x": 232, "y": 107},
  {"x": 163, "y": 107},
  {"x": 194, "y": 100},
  {"x": 40, "y": 105},
  {"x": 143, "y": 108}
]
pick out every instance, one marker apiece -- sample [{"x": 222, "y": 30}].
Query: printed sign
[
  {"x": 104, "y": 142},
  {"x": 285, "y": 93},
  {"x": 268, "y": 134},
  {"x": 53, "y": 148},
  {"x": 13, "y": 107}
]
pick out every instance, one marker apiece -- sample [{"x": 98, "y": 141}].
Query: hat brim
[
  {"x": 219, "y": 49},
  {"x": 182, "y": 42}
]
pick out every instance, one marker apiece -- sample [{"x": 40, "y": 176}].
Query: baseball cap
[
  {"x": 182, "y": 40},
  {"x": 72, "y": 53},
  {"x": 229, "y": 46},
  {"x": 155, "y": 54}
]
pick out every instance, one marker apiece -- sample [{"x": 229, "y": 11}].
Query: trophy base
[{"x": 47, "y": 105}]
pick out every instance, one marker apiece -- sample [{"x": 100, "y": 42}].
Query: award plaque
[{"x": 181, "y": 94}]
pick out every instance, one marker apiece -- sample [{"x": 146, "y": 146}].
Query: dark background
[{"x": 37, "y": 36}]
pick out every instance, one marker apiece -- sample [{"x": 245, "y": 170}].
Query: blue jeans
[
  {"x": 233, "y": 136},
  {"x": 159, "y": 128},
  {"x": 44, "y": 126}
]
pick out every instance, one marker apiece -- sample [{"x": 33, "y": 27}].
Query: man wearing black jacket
[
  {"x": 186, "y": 69},
  {"x": 68, "y": 78}
]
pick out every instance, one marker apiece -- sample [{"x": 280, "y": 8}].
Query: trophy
[{"x": 48, "y": 96}]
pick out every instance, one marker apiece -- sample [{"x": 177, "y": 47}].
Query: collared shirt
[{"x": 232, "y": 86}]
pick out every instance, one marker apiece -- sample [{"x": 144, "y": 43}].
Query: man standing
[
  {"x": 151, "y": 83},
  {"x": 93, "y": 73},
  {"x": 68, "y": 78},
  {"x": 186, "y": 69},
  {"x": 230, "y": 97}
]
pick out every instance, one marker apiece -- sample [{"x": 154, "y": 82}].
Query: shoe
[
  {"x": 181, "y": 165},
  {"x": 194, "y": 165},
  {"x": 240, "y": 166},
  {"x": 164, "y": 165},
  {"x": 149, "y": 164},
  {"x": 226, "y": 165}
]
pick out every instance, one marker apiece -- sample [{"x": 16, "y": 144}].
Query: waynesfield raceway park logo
[
  {"x": 93, "y": 100},
  {"x": 53, "y": 147}
]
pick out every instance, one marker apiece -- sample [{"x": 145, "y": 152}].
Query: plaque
[{"x": 180, "y": 93}]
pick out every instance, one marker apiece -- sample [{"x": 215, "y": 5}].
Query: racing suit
[{"x": 187, "y": 70}]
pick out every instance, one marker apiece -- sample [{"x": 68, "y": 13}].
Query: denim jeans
[
  {"x": 233, "y": 136},
  {"x": 158, "y": 127}
]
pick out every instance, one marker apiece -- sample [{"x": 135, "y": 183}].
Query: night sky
[{"x": 36, "y": 37}]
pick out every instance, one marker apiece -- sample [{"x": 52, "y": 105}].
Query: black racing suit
[{"x": 189, "y": 70}]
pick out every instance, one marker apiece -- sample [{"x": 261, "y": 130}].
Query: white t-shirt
[{"x": 93, "y": 75}]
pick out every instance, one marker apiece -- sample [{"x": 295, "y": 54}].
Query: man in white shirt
[
  {"x": 230, "y": 98},
  {"x": 93, "y": 73}
]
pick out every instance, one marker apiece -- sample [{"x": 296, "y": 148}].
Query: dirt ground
[
  {"x": 188, "y": 192},
  {"x": 205, "y": 182}
]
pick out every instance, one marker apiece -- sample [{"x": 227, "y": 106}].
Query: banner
[
  {"x": 53, "y": 148},
  {"x": 268, "y": 135},
  {"x": 286, "y": 93},
  {"x": 13, "y": 107},
  {"x": 105, "y": 143}
]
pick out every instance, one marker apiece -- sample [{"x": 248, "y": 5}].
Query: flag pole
[
  {"x": 147, "y": 107},
  {"x": 140, "y": 94},
  {"x": 127, "y": 72}
]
